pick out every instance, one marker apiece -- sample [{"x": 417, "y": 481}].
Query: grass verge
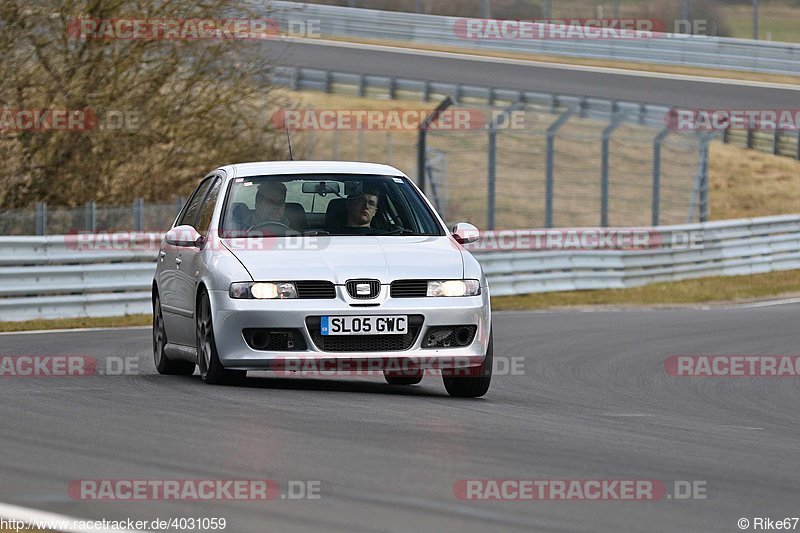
[
  {"x": 719, "y": 289},
  {"x": 75, "y": 323}
]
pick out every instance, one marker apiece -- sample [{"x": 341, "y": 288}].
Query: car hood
[{"x": 339, "y": 259}]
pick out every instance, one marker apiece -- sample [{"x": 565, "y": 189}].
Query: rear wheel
[
  {"x": 163, "y": 363},
  {"x": 474, "y": 382},
  {"x": 211, "y": 370},
  {"x": 403, "y": 378}
]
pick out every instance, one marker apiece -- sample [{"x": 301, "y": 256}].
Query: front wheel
[
  {"x": 476, "y": 381},
  {"x": 163, "y": 363},
  {"x": 211, "y": 370}
]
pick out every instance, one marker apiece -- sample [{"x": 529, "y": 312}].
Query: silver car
[{"x": 326, "y": 267}]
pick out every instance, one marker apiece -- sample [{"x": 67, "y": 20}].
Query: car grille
[
  {"x": 409, "y": 288},
  {"x": 364, "y": 343},
  {"x": 275, "y": 340},
  {"x": 374, "y": 288},
  {"x": 315, "y": 290}
]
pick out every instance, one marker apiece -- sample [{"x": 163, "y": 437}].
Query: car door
[
  {"x": 175, "y": 310},
  {"x": 188, "y": 263}
]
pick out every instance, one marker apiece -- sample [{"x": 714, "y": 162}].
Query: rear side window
[
  {"x": 207, "y": 210},
  {"x": 190, "y": 213}
]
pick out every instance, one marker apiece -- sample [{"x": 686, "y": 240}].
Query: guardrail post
[
  {"x": 750, "y": 137},
  {"x": 41, "y": 218},
  {"x": 138, "y": 214},
  {"x": 491, "y": 97},
  {"x": 726, "y": 135},
  {"x": 642, "y": 107},
  {"x": 297, "y": 74},
  {"x": 90, "y": 217},
  {"x": 776, "y": 142},
  {"x": 328, "y": 82},
  {"x": 657, "y": 175},
  {"x": 362, "y": 85},
  {"x": 584, "y": 106},
  {"x": 459, "y": 91},
  {"x": 550, "y": 167},
  {"x": 798, "y": 145},
  {"x": 616, "y": 121},
  {"x": 426, "y": 92},
  {"x": 422, "y": 140},
  {"x": 393, "y": 88}
]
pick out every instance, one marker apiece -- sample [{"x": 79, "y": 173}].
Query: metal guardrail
[
  {"x": 667, "y": 49},
  {"x": 47, "y": 277}
]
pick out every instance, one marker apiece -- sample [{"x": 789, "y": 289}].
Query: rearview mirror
[
  {"x": 185, "y": 236},
  {"x": 323, "y": 188},
  {"x": 466, "y": 233}
]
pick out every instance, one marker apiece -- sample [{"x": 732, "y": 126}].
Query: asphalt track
[
  {"x": 632, "y": 86},
  {"x": 593, "y": 402}
]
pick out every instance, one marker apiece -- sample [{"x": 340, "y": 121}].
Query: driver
[
  {"x": 362, "y": 209},
  {"x": 270, "y": 204}
]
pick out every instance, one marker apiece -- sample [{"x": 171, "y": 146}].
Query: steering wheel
[{"x": 267, "y": 224}]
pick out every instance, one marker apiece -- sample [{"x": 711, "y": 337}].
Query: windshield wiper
[{"x": 401, "y": 231}]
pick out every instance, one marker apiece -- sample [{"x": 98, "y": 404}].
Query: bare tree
[{"x": 167, "y": 109}]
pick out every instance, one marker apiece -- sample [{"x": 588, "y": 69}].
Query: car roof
[{"x": 267, "y": 168}]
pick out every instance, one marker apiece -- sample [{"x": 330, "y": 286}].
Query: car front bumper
[{"x": 231, "y": 317}]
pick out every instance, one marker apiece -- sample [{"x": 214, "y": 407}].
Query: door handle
[
  {"x": 178, "y": 261},
  {"x": 162, "y": 254}
]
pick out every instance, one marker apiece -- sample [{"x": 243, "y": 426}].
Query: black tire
[
  {"x": 211, "y": 370},
  {"x": 405, "y": 378},
  {"x": 476, "y": 384},
  {"x": 163, "y": 363}
]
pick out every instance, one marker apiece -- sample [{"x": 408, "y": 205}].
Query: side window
[
  {"x": 193, "y": 206},
  {"x": 207, "y": 209}
]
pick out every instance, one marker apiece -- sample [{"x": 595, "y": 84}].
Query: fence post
[
  {"x": 41, "y": 218},
  {"x": 90, "y": 217},
  {"x": 616, "y": 120},
  {"x": 335, "y": 145},
  {"x": 657, "y": 175},
  {"x": 704, "y": 177},
  {"x": 549, "y": 179},
  {"x": 491, "y": 171},
  {"x": 776, "y": 142},
  {"x": 750, "y": 137},
  {"x": 422, "y": 140},
  {"x": 798, "y": 145},
  {"x": 138, "y": 214}
]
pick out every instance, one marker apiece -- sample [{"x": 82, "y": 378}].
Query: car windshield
[{"x": 330, "y": 204}]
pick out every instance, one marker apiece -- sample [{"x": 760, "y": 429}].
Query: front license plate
[{"x": 364, "y": 325}]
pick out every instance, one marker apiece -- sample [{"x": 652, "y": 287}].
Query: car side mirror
[
  {"x": 184, "y": 236},
  {"x": 465, "y": 233}
]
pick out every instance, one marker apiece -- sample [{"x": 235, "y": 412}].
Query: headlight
[
  {"x": 460, "y": 287},
  {"x": 279, "y": 290}
]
